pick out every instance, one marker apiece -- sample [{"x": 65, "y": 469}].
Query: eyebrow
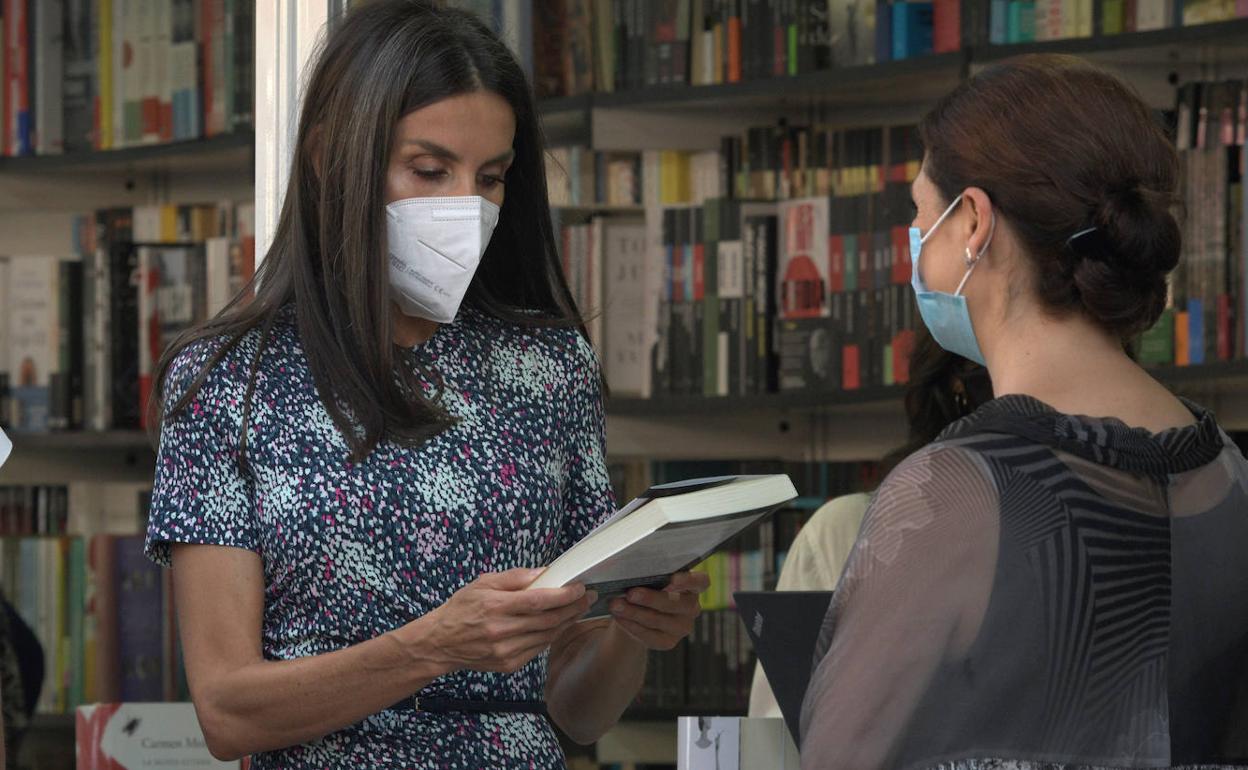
[{"x": 443, "y": 152}]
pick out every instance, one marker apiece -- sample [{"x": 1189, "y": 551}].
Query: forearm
[
  {"x": 268, "y": 705},
  {"x": 593, "y": 680}
]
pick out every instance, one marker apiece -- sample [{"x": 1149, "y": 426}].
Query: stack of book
[
  {"x": 102, "y": 612},
  {"x": 601, "y": 45},
  {"x": 84, "y": 332},
  {"x": 83, "y": 75}
]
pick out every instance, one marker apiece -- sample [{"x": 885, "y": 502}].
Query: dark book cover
[
  {"x": 244, "y": 63},
  {"x": 807, "y": 360},
  {"x": 140, "y": 622},
  {"x": 123, "y": 290},
  {"x": 79, "y": 88},
  {"x": 784, "y": 627}
]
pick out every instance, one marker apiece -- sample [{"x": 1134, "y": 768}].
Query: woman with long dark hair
[
  {"x": 1058, "y": 580},
  {"x": 361, "y": 468}
]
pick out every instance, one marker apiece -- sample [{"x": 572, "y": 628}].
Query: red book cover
[
  {"x": 947, "y": 26},
  {"x": 851, "y": 375},
  {"x": 901, "y": 254},
  {"x": 1224, "y": 338},
  {"x": 734, "y": 49},
  {"x": 836, "y": 263},
  {"x": 699, "y": 271},
  {"x": 17, "y": 79},
  {"x": 207, "y": 94}
]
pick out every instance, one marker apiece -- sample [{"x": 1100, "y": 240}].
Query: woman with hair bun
[{"x": 1058, "y": 580}]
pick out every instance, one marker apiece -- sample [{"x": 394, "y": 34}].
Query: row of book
[
  {"x": 587, "y": 45},
  {"x": 83, "y": 75},
  {"x": 1025, "y": 21},
  {"x": 102, "y": 612},
  {"x": 579, "y": 176},
  {"x": 1207, "y": 316},
  {"x": 76, "y": 508},
  {"x": 80, "y": 335}
]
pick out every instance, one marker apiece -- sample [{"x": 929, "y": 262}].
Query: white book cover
[
  {"x": 708, "y": 743},
  {"x": 97, "y": 347},
  {"x": 49, "y": 66},
  {"x": 1151, "y": 15},
  {"x": 217, "y": 269},
  {"x": 626, "y": 360},
  {"x": 33, "y": 345},
  {"x": 6, "y": 449},
  {"x": 130, "y": 736}
]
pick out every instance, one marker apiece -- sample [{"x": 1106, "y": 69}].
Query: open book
[{"x": 667, "y": 530}]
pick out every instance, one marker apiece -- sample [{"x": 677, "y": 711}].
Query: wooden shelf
[
  {"x": 1230, "y": 32},
  {"x": 828, "y": 85},
  {"x": 230, "y": 151},
  {"x": 780, "y": 402},
  {"x": 82, "y": 441},
  {"x": 1220, "y": 376},
  {"x": 48, "y": 722}
]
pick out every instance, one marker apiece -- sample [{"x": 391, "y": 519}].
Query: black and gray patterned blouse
[{"x": 1039, "y": 590}]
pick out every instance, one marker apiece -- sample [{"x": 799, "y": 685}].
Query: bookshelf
[{"x": 822, "y": 425}]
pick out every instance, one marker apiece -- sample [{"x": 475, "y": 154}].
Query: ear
[{"x": 982, "y": 219}]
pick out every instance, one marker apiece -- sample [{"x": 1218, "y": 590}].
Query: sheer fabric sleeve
[
  {"x": 588, "y": 496},
  {"x": 913, "y": 593}
]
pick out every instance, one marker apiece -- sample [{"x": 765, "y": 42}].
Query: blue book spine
[
  {"x": 883, "y": 31},
  {"x": 998, "y": 26},
  {"x": 922, "y": 28},
  {"x": 1196, "y": 331},
  {"x": 901, "y": 30}
]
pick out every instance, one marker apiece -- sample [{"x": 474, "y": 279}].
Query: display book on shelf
[
  {"x": 789, "y": 273},
  {"x": 79, "y": 335},
  {"x": 83, "y": 75},
  {"x": 598, "y": 45}
]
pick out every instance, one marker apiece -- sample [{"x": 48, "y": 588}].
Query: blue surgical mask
[{"x": 946, "y": 315}]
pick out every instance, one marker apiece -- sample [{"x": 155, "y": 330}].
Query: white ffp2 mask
[{"x": 435, "y": 246}]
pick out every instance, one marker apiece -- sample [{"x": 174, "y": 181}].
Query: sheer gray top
[{"x": 1039, "y": 589}]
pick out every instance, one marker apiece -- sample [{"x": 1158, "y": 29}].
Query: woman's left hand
[{"x": 660, "y": 619}]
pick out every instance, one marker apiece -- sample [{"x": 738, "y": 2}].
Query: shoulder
[
  {"x": 219, "y": 368},
  {"x": 837, "y": 516},
  {"x": 946, "y": 475}
]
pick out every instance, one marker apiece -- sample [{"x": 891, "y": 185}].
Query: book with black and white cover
[{"x": 668, "y": 529}]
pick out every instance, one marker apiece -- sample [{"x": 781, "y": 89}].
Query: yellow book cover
[{"x": 168, "y": 223}]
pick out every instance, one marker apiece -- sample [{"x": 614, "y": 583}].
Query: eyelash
[{"x": 490, "y": 180}]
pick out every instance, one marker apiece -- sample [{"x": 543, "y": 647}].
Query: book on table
[{"x": 669, "y": 529}]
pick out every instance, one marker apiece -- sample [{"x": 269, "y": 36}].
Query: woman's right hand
[{"x": 493, "y": 624}]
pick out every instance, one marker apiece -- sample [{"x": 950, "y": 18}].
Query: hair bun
[{"x": 1120, "y": 271}]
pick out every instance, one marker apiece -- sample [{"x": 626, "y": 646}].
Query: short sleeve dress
[{"x": 354, "y": 550}]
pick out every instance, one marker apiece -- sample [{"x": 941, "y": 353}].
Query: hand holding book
[{"x": 660, "y": 619}]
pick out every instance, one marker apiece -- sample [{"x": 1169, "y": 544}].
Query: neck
[
  {"x": 410, "y": 331},
  {"x": 1069, "y": 363}
]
